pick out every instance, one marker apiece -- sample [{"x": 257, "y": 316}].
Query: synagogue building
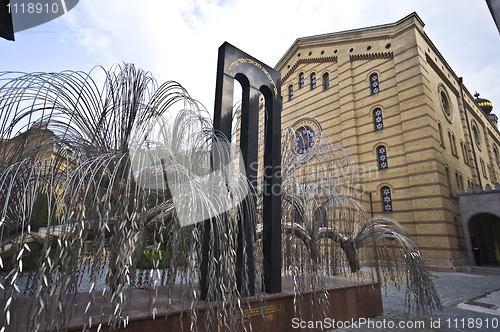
[{"x": 424, "y": 145}]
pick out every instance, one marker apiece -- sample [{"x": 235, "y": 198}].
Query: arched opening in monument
[
  {"x": 484, "y": 229},
  {"x": 237, "y": 98},
  {"x": 236, "y": 123}
]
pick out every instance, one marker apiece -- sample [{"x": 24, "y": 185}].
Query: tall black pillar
[
  {"x": 254, "y": 76},
  {"x": 271, "y": 233}
]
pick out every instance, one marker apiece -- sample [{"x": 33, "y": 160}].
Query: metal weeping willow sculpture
[
  {"x": 84, "y": 187},
  {"x": 325, "y": 223},
  {"x": 104, "y": 190}
]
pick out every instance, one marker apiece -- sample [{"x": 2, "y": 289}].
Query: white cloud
[{"x": 178, "y": 40}]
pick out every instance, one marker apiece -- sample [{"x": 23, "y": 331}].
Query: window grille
[
  {"x": 386, "y": 199},
  {"x": 374, "y": 84},
  {"x": 382, "y": 157},
  {"x": 377, "y": 119}
]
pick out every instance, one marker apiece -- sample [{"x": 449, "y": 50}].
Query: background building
[{"x": 389, "y": 95}]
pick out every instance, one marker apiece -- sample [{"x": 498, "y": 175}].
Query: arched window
[
  {"x": 377, "y": 119},
  {"x": 475, "y": 133},
  {"x": 374, "y": 86},
  {"x": 461, "y": 181},
  {"x": 385, "y": 193},
  {"x": 448, "y": 179},
  {"x": 290, "y": 92},
  {"x": 296, "y": 217},
  {"x": 497, "y": 157},
  {"x": 313, "y": 81},
  {"x": 464, "y": 153},
  {"x": 483, "y": 168},
  {"x": 457, "y": 178},
  {"x": 301, "y": 80},
  {"x": 454, "y": 145},
  {"x": 321, "y": 217},
  {"x": 326, "y": 81},
  {"x": 382, "y": 157},
  {"x": 440, "y": 130}
]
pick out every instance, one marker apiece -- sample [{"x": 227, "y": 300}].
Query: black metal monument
[{"x": 254, "y": 77}]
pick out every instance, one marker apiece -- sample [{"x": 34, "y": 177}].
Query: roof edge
[{"x": 345, "y": 32}]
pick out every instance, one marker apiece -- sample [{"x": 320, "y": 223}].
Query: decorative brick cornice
[
  {"x": 309, "y": 60},
  {"x": 371, "y": 56}
]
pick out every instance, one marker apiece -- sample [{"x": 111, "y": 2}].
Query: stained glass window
[
  {"x": 313, "y": 81},
  {"x": 326, "y": 81},
  {"x": 301, "y": 80},
  {"x": 382, "y": 157},
  {"x": 374, "y": 84},
  {"x": 304, "y": 141},
  {"x": 386, "y": 199},
  {"x": 445, "y": 103},
  {"x": 377, "y": 119}
]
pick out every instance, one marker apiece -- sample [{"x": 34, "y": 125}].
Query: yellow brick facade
[{"x": 425, "y": 167}]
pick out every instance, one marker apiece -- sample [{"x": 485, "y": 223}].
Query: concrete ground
[{"x": 471, "y": 302}]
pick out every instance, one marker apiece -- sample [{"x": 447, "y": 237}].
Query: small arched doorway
[{"x": 484, "y": 229}]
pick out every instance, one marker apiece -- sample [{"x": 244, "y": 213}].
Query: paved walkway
[
  {"x": 480, "y": 313},
  {"x": 471, "y": 302}
]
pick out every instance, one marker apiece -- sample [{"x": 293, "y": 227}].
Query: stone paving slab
[
  {"x": 489, "y": 304},
  {"x": 454, "y": 289}
]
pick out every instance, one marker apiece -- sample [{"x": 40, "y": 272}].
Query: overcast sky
[{"x": 178, "y": 40}]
